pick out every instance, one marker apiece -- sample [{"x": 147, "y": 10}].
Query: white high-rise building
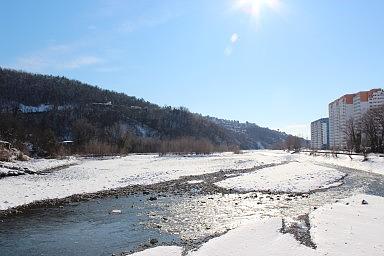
[
  {"x": 320, "y": 134},
  {"x": 350, "y": 106}
]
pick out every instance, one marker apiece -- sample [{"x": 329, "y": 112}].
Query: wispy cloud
[
  {"x": 101, "y": 47},
  {"x": 230, "y": 47},
  {"x": 128, "y": 15},
  {"x": 82, "y": 61},
  {"x": 57, "y": 57},
  {"x": 145, "y": 21}
]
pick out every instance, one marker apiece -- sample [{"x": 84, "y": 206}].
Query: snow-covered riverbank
[
  {"x": 34, "y": 166},
  {"x": 91, "y": 175},
  {"x": 375, "y": 163},
  {"x": 94, "y": 175},
  {"x": 348, "y": 228}
]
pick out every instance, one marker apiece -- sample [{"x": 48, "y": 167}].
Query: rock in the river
[
  {"x": 153, "y": 241},
  {"x": 152, "y": 198}
]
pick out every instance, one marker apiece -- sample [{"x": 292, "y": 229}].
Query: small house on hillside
[{"x": 5, "y": 145}]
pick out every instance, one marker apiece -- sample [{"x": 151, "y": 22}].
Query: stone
[{"x": 153, "y": 241}]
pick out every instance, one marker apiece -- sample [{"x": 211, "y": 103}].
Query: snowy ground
[
  {"x": 90, "y": 175},
  {"x": 293, "y": 177},
  {"x": 95, "y": 175},
  {"x": 374, "y": 164},
  {"x": 162, "y": 251},
  {"x": 33, "y": 166},
  {"x": 349, "y": 227},
  {"x": 345, "y": 228}
]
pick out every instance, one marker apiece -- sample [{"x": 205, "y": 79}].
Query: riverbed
[{"x": 187, "y": 217}]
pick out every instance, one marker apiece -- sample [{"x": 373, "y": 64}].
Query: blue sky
[{"x": 277, "y": 63}]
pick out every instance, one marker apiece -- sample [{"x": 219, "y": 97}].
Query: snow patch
[
  {"x": 195, "y": 181},
  {"x": 35, "y": 109},
  {"x": 254, "y": 238},
  {"x": 161, "y": 251},
  {"x": 291, "y": 177}
]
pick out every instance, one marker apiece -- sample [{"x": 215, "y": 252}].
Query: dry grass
[
  {"x": 98, "y": 148},
  {"x": 5, "y": 155}
]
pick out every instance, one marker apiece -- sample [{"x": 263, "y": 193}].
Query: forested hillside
[
  {"x": 249, "y": 135},
  {"x": 46, "y": 114}
]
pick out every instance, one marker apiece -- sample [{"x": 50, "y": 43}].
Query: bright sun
[{"x": 255, "y": 7}]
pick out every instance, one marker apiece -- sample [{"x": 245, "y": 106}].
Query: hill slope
[
  {"x": 39, "y": 111},
  {"x": 249, "y": 135}
]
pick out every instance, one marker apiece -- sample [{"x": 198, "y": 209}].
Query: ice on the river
[
  {"x": 292, "y": 177},
  {"x": 346, "y": 228}
]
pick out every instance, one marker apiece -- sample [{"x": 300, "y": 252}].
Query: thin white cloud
[
  {"x": 57, "y": 57},
  {"x": 117, "y": 18},
  {"x": 128, "y": 16},
  {"x": 81, "y": 61}
]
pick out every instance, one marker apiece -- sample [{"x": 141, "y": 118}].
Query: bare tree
[
  {"x": 370, "y": 129},
  {"x": 353, "y": 135},
  {"x": 379, "y": 113},
  {"x": 293, "y": 143}
]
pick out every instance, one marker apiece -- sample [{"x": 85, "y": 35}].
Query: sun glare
[{"x": 255, "y": 7}]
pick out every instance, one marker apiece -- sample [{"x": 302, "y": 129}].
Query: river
[{"x": 186, "y": 219}]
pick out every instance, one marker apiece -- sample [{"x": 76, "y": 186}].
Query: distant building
[
  {"x": 320, "y": 134},
  {"x": 350, "y": 107}
]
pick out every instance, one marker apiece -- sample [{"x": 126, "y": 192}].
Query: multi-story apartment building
[
  {"x": 340, "y": 111},
  {"x": 347, "y": 107},
  {"x": 320, "y": 134}
]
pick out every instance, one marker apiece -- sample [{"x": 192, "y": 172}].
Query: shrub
[{"x": 5, "y": 155}]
